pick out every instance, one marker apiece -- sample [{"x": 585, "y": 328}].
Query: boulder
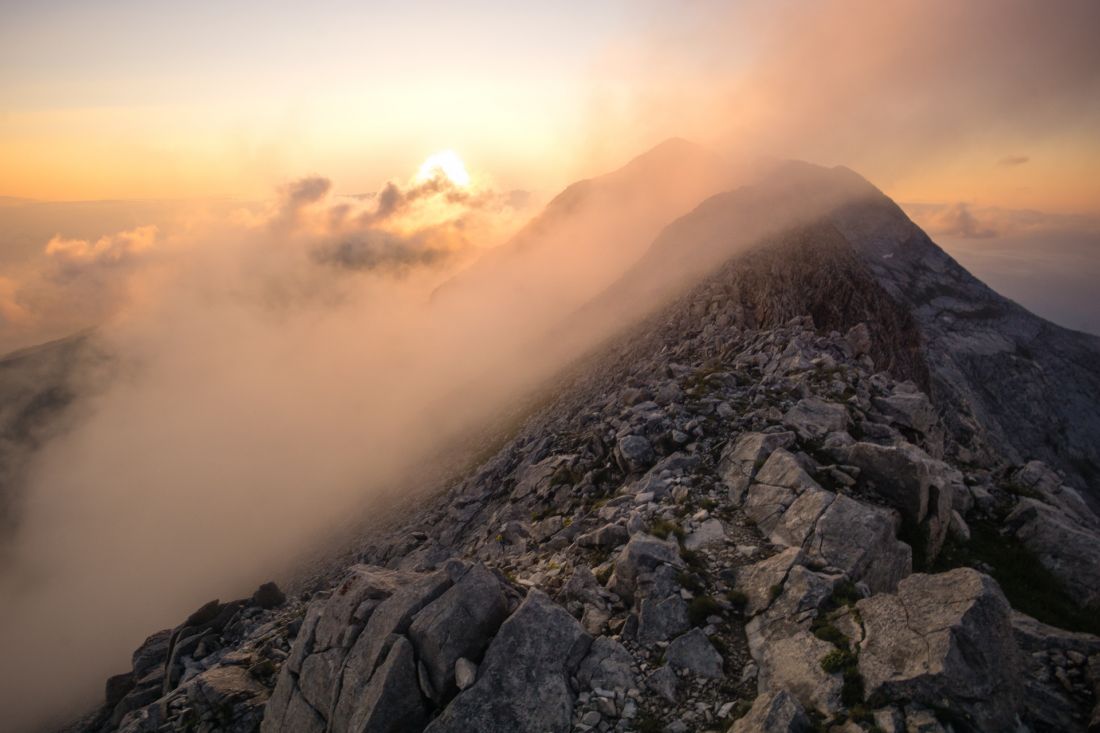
[
  {"x": 812, "y": 419},
  {"x": 523, "y": 683},
  {"x": 536, "y": 479},
  {"x": 392, "y": 616},
  {"x": 1068, "y": 550},
  {"x": 919, "y": 486},
  {"x": 694, "y": 652},
  {"x": 391, "y": 702},
  {"x": 783, "y": 469},
  {"x": 268, "y": 596},
  {"x": 763, "y": 581},
  {"x": 710, "y": 532},
  {"x": 793, "y": 663},
  {"x": 152, "y": 653},
  {"x": 642, "y": 554},
  {"x": 230, "y": 696},
  {"x": 945, "y": 637},
  {"x": 741, "y": 459},
  {"x": 608, "y": 666},
  {"x": 664, "y": 682},
  {"x": 660, "y": 619},
  {"x": 774, "y": 712},
  {"x": 635, "y": 453},
  {"x": 458, "y": 624},
  {"x": 861, "y": 540},
  {"x": 607, "y": 536}
]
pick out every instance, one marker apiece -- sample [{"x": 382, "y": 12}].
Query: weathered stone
[
  {"x": 793, "y": 663},
  {"x": 230, "y": 695},
  {"x": 763, "y": 581},
  {"x": 741, "y": 459},
  {"x": 861, "y": 540},
  {"x": 392, "y": 616},
  {"x": 465, "y": 673},
  {"x": 664, "y": 682},
  {"x": 608, "y": 666},
  {"x": 944, "y": 637},
  {"x": 765, "y": 505},
  {"x": 660, "y": 619},
  {"x": 783, "y": 469},
  {"x": 711, "y": 532},
  {"x": 774, "y": 712},
  {"x": 538, "y": 478},
  {"x": 813, "y": 418},
  {"x": 797, "y": 523},
  {"x": 643, "y": 553},
  {"x": 458, "y": 624},
  {"x": 1065, "y": 548},
  {"x": 152, "y": 653},
  {"x": 268, "y": 596},
  {"x": 391, "y": 702},
  {"x": 635, "y": 453},
  {"x": 523, "y": 683},
  {"x": 910, "y": 480},
  {"x": 694, "y": 652},
  {"x": 607, "y": 536}
]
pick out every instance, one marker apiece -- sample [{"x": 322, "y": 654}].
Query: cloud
[
  {"x": 967, "y": 221},
  {"x": 955, "y": 220},
  {"x": 115, "y": 250},
  {"x": 375, "y": 249},
  {"x": 1013, "y": 160},
  {"x": 297, "y": 196}
]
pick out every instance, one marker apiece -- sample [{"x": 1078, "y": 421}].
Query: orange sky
[{"x": 988, "y": 102}]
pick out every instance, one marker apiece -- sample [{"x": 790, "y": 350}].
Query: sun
[{"x": 447, "y": 163}]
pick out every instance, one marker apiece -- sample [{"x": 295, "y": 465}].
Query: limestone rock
[
  {"x": 776, "y": 712},
  {"x": 523, "y": 682},
  {"x": 694, "y": 653},
  {"x": 458, "y": 624},
  {"x": 945, "y": 636}
]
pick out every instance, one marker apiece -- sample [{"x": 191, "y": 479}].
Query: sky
[
  {"x": 233, "y": 199},
  {"x": 990, "y": 102}
]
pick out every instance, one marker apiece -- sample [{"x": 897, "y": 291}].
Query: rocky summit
[{"x": 827, "y": 480}]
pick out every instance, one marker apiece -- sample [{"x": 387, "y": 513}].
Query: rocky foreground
[{"x": 788, "y": 501}]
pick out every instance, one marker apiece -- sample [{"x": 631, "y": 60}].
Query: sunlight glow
[{"x": 446, "y": 163}]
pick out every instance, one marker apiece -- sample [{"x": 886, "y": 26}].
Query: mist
[{"x": 269, "y": 380}]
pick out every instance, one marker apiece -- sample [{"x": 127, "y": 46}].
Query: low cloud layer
[{"x": 271, "y": 374}]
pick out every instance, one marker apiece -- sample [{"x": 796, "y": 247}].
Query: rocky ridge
[{"x": 732, "y": 519}]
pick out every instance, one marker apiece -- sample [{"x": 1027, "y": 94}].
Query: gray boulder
[
  {"x": 776, "y": 712},
  {"x": 458, "y": 624},
  {"x": 861, "y": 540},
  {"x": 1067, "y": 549},
  {"x": 813, "y": 418},
  {"x": 635, "y": 453},
  {"x": 608, "y": 666},
  {"x": 919, "y": 486},
  {"x": 523, "y": 683},
  {"x": 694, "y": 652},
  {"x": 642, "y": 554},
  {"x": 741, "y": 459},
  {"x": 391, "y": 702},
  {"x": 607, "y": 536},
  {"x": 944, "y": 637},
  {"x": 763, "y": 581}
]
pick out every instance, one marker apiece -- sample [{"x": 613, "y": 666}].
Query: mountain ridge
[{"x": 776, "y": 497}]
